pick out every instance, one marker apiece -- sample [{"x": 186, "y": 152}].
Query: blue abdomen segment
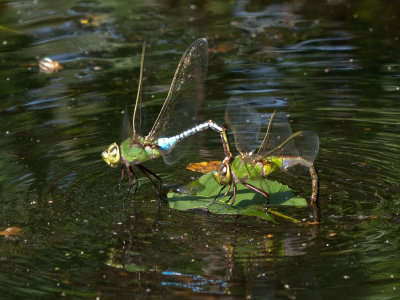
[{"x": 167, "y": 144}]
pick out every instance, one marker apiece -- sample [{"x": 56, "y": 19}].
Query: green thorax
[
  {"x": 244, "y": 168},
  {"x": 136, "y": 151}
]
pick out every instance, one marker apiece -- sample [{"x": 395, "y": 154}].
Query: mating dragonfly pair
[{"x": 278, "y": 150}]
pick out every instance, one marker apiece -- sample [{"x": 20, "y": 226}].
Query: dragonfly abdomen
[
  {"x": 166, "y": 144},
  {"x": 272, "y": 164}
]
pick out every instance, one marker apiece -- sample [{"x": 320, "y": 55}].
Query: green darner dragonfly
[
  {"x": 177, "y": 113},
  {"x": 279, "y": 149}
]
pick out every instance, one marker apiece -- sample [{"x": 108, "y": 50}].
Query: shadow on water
[{"x": 333, "y": 66}]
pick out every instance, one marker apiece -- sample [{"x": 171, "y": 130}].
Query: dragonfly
[
  {"x": 278, "y": 150},
  {"x": 178, "y": 110}
]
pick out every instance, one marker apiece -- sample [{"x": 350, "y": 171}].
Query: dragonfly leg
[
  {"x": 226, "y": 193},
  {"x": 130, "y": 171},
  {"x": 130, "y": 174},
  {"x": 265, "y": 194},
  {"x": 118, "y": 185},
  {"x": 126, "y": 196},
  {"x": 315, "y": 185},
  {"x": 233, "y": 196},
  {"x": 122, "y": 176},
  {"x": 217, "y": 197},
  {"x": 148, "y": 173}
]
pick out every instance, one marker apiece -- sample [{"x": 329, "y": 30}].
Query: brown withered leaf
[
  {"x": 204, "y": 167},
  {"x": 11, "y": 231}
]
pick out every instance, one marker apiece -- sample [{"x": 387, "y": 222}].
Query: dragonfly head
[
  {"x": 112, "y": 155},
  {"x": 223, "y": 174}
]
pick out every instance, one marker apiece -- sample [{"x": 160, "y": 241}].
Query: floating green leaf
[{"x": 197, "y": 194}]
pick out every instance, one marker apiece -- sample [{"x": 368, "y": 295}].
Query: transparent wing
[
  {"x": 262, "y": 135},
  {"x": 245, "y": 123},
  {"x": 179, "y": 111},
  {"x": 278, "y": 130},
  {"x": 299, "y": 145},
  {"x": 126, "y": 129}
]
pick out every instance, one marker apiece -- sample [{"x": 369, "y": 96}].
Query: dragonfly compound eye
[
  {"x": 113, "y": 151},
  {"x": 223, "y": 175},
  {"x": 111, "y": 156},
  {"x": 222, "y": 170}
]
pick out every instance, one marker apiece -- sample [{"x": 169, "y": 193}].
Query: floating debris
[
  {"x": 11, "y": 231},
  {"x": 48, "y": 66},
  {"x": 204, "y": 167},
  {"x": 92, "y": 20}
]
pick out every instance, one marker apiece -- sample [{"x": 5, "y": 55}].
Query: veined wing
[
  {"x": 281, "y": 142},
  {"x": 278, "y": 131},
  {"x": 126, "y": 130},
  {"x": 245, "y": 124},
  {"x": 179, "y": 111}
]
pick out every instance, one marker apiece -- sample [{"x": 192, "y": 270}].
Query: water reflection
[
  {"x": 219, "y": 264},
  {"x": 274, "y": 15},
  {"x": 196, "y": 283}
]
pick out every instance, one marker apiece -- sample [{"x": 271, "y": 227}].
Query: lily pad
[{"x": 199, "y": 193}]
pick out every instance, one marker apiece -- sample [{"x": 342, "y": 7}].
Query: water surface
[{"x": 332, "y": 66}]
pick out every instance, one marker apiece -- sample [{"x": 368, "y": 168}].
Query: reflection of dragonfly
[
  {"x": 178, "y": 111},
  {"x": 279, "y": 150}
]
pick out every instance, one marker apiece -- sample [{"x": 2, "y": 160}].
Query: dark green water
[{"x": 333, "y": 66}]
